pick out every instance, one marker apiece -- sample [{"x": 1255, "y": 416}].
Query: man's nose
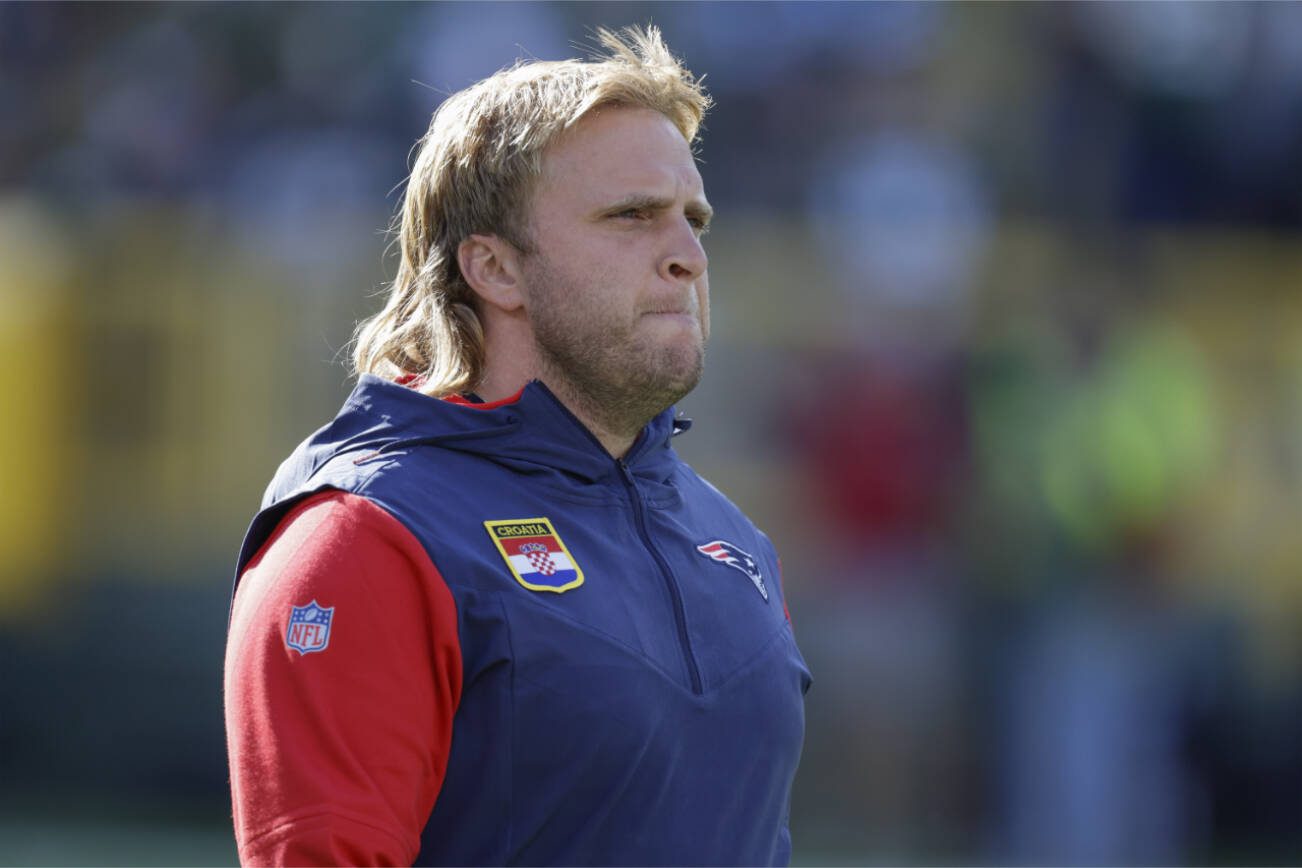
[{"x": 686, "y": 260}]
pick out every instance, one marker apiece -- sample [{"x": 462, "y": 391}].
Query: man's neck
[
  {"x": 615, "y": 442},
  {"x": 512, "y": 360}
]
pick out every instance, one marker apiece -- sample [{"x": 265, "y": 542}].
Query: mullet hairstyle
[{"x": 474, "y": 174}]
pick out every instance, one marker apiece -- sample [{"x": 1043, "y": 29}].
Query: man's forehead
[
  {"x": 639, "y": 179},
  {"x": 633, "y": 148}
]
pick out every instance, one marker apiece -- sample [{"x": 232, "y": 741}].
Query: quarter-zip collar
[{"x": 531, "y": 432}]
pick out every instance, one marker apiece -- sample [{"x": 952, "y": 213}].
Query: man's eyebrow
[
  {"x": 697, "y": 209},
  {"x": 700, "y": 210}
]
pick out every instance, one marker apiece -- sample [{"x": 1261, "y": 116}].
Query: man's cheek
[{"x": 703, "y": 293}]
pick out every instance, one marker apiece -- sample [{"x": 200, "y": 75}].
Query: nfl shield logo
[{"x": 309, "y": 628}]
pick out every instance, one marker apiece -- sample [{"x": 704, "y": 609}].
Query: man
[{"x": 487, "y": 616}]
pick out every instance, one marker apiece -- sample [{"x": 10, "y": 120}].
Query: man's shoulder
[{"x": 704, "y": 493}]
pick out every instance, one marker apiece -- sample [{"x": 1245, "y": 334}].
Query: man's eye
[
  {"x": 634, "y": 214},
  {"x": 702, "y": 227}
]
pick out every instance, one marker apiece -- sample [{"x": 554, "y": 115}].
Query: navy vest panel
[{"x": 651, "y": 713}]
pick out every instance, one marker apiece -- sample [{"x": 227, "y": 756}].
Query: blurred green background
[{"x": 1007, "y": 360}]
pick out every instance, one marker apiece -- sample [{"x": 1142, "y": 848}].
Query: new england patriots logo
[{"x": 724, "y": 552}]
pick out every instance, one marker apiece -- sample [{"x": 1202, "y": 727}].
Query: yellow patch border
[{"x": 489, "y": 525}]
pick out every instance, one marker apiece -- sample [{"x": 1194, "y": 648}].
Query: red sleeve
[{"x": 338, "y": 754}]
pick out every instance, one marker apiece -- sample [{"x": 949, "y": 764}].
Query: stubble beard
[{"x": 617, "y": 377}]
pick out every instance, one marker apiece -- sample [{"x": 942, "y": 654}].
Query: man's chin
[{"x": 681, "y": 377}]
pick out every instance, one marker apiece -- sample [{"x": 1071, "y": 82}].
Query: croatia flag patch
[{"x": 534, "y": 553}]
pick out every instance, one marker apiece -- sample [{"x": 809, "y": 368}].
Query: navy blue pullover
[{"x": 633, "y": 697}]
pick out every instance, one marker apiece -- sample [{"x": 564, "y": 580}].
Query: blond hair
[{"x": 474, "y": 174}]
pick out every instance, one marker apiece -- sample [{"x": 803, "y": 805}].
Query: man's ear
[{"x": 491, "y": 266}]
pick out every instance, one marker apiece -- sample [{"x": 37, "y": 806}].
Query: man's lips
[{"x": 669, "y": 308}]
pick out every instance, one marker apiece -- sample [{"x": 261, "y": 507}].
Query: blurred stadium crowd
[{"x": 1008, "y": 362}]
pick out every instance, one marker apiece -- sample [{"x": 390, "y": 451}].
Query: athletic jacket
[{"x": 464, "y": 634}]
